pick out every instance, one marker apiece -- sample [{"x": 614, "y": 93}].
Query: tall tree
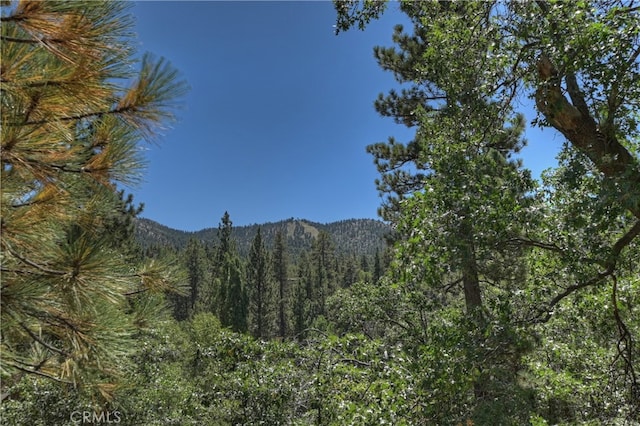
[
  {"x": 473, "y": 64},
  {"x": 234, "y": 309},
  {"x": 201, "y": 296},
  {"x": 324, "y": 276},
  {"x": 467, "y": 196},
  {"x": 377, "y": 267},
  {"x": 226, "y": 243},
  {"x": 73, "y": 110},
  {"x": 261, "y": 290},
  {"x": 350, "y": 268},
  {"x": 280, "y": 271},
  {"x": 581, "y": 72},
  {"x": 228, "y": 279},
  {"x": 303, "y": 294}
]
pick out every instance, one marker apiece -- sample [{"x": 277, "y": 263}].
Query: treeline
[
  {"x": 267, "y": 293},
  {"x": 352, "y": 236},
  {"x": 504, "y": 300}
]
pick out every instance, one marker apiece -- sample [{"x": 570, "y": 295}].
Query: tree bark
[
  {"x": 574, "y": 121},
  {"x": 472, "y": 297},
  {"x": 470, "y": 279}
]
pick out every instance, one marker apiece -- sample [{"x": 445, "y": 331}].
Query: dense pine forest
[
  {"x": 486, "y": 297},
  {"x": 351, "y": 236}
]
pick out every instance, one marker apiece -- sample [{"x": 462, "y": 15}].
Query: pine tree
[
  {"x": 232, "y": 301},
  {"x": 324, "y": 279},
  {"x": 303, "y": 294},
  {"x": 201, "y": 296},
  {"x": 260, "y": 286},
  {"x": 463, "y": 195},
  {"x": 120, "y": 225},
  {"x": 235, "y": 306},
  {"x": 226, "y": 244},
  {"x": 377, "y": 267},
  {"x": 351, "y": 270},
  {"x": 71, "y": 121},
  {"x": 280, "y": 271}
]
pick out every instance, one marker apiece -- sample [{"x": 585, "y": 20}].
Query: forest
[{"x": 496, "y": 298}]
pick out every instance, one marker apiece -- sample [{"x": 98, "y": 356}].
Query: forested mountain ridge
[
  {"x": 353, "y": 236},
  {"x": 502, "y": 301}
]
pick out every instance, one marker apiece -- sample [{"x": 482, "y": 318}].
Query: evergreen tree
[
  {"x": 235, "y": 306},
  {"x": 228, "y": 279},
  {"x": 120, "y": 225},
  {"x": 303, "y": 296},
  {"x": 72, "y": 295},
  {"x": 226, "y": 244},
  {"x": 377, "y": 267},
  {"x": 364, "y": 263},
  {"x": 461, "y": 210},
  {"x": 461, "y": 202},
  {"x": 261, "y": 290},
  {"x": 323, "y": 263},
  {"x": 280, "y": 271},
  {"x": 350, "y": 272},
  {"x": 217, "y": 255},
  {"x": 201, "y": 296}
]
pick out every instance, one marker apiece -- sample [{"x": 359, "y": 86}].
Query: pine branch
[
  {"x": 29, "y": 262},
  {"x": 13, "y": 18},
  {"x": 19, "y": 40},
  {"x": 96, "y": 114},
  {"x": 37, "y": 373},
  {"x": 43, "y": 343}
]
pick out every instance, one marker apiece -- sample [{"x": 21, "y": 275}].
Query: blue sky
[{"x": 278, "y": 117}]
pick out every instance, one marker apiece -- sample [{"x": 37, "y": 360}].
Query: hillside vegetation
[
  {"x": 500, "y": 299},
  {"x": 351, "y": 236}
]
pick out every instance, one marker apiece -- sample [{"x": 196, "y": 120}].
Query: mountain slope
[{"x": 352, "y": 236}]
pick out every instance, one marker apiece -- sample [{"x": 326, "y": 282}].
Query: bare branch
[
  {"x": 625, "y": 342},
  {"x": 617, "y": 248},
  {"x": 532, "y": 243},
  {"x": 577, "y": 98}
]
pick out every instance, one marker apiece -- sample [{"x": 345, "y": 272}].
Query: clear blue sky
[{"x": 278, "y": 117}]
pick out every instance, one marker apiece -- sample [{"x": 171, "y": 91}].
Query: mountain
[{"x": 351, "y": 236}]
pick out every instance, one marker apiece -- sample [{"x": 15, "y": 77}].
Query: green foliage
[
  {"x": 353, "y": 236},
  {"x": 451, "y": 222},
  {"x": 41, "y": 402},
  {"x": 232, "y": 296},
  {"x": 267, "y": 293},
  {"x": 196, "y": 372},
  {"x": 505, "y": 301},
  {"x": 75, "y": 103},
  {"x": 280, "y": 267},
  {"x": 467, "y": 215},
  {"x": 352, "y": 12},
  {"x": 201, "y": 294},
  {"x": 577, "y": 369},
  {"x": 261, "y": 290},
  {"x": 231, "y": 300}
]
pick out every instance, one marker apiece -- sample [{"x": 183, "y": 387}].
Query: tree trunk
[
  {"x": 472, "y": 297},
  {"x": 282, "y": 319},
  {"x": 470, "y": 280},
  {"x": 598, "y": 142}
]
